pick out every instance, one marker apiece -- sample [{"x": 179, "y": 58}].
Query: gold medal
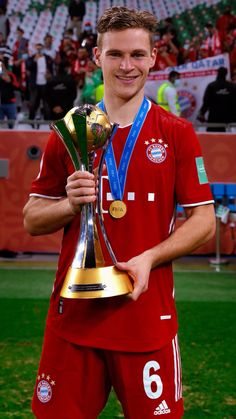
[{"x": 117, "y": 209}]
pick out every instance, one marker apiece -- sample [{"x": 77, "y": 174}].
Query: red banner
[
  {"x": 219, "y": 152},
  {"x": 22, "y": 151}
]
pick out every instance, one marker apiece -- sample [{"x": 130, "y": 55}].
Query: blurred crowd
[
  {"x": 216, "y": 39},
  {"x": 49, "y": 82}
]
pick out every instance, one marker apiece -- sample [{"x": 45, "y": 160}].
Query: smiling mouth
[{"x": 124, "y": 78}]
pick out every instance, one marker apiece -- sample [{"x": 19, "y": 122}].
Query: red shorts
[{"x": 74, "y": 382}]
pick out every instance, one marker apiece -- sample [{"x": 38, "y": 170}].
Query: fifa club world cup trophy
[{"x": 84, "y": 130}]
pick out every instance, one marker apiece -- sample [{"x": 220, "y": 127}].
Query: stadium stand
[{"x": 38, "y": 17}]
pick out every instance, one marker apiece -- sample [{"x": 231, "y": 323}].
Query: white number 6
[{"x": 152, "y": 382}]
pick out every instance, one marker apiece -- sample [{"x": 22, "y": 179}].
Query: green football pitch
[{"x": 206, "y": 303}]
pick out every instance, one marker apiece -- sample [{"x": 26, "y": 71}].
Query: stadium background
[{"x": 50, "y": 16}]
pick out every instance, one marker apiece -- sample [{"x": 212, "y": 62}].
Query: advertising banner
[
  {"x": 20, "y": 155},
  {"x": 195, "y": 76}
]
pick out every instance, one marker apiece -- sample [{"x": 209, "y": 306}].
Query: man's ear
[
  {"x": 96, "y": 54},
  {"x": 153, "y": 57}
]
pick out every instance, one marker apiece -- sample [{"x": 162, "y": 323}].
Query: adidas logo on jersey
[{"x": 162, "y": 409}]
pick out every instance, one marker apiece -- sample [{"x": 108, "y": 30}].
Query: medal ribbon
[{"x": 117, "y": 178}]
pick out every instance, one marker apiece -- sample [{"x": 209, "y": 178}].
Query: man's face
[
  {"x": 82, "y": 53},
  {"x": 19, "y": 34},
  {"x": 39, "y": 48},
  {"x": 48, "y": 41},
  {"x": 125, "y": 58}
]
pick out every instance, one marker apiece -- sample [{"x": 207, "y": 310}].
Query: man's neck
[{"x": 122, "y": 111}]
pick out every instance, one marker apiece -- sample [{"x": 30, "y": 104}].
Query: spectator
[
  {"x": 20, "y": 47},
  {"x": 70, "y": 38},
  {"x": 20, "y": 54},
  {"x": 167, "y": 96},
  {"x": 219, "y": 101},
  {"x": 164, "y": 57},
  {"x": 230, "y": 38},
  {"x": 4, "y": 23},
  {"x": 80, "y": 66},
  {"x": 69, "y": 48},
  {"x": 39, "y": 68},
  {"x": 172, "y": 47},
  {"x": 212, "y": 43},
  {"x": 48, "y": 47},
  {"x": 76, "y": 11},
  {"x": 168, "y": 27},
  {"x": 5, "y": 51},
  {"x": 87, "y": 38},
  {"x": 191, "y": 49},
  {"x": 61, "y": 92},
  {"x": 93, "y": 79},
  {"x": 233, "y": 60},
  {"x": 223, "y": 24},
  {"x": 8, "y": 84}
]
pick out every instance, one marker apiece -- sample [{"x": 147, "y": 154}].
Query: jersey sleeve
[
  {"x": 192, "y": 187},
  {"x": 53, "y": 173}
]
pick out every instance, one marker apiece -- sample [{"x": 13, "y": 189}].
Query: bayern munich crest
[
  {"x": 156, "y": 150},
  {"x": 187, "y": 102},
  {"x": 44, "y": 388}
]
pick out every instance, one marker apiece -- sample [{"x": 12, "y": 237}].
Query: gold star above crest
[
  {"x": 48, "y": 377},
  {"x": 153, "y": 140},
  {"x": 43, "y": 375},
  {"x": 53, "y": 383},
  {"x": 160, "y": 141},
  {"x": 146, "y": 142},
  {"x": 39, "y": 377},
  {"x": 166, "y": 145}
]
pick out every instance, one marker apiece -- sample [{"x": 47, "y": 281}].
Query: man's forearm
[
  {"x": 195, "y": 231},
  {"x": 45, "y": 216}
]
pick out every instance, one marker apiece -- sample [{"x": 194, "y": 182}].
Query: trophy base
[{"x": 96, "y": 283}]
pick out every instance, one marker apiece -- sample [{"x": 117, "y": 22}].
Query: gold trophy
[{"x": 84, "y": 130}]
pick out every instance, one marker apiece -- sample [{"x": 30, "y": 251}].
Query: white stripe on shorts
[{"x": 177, "y": 369}]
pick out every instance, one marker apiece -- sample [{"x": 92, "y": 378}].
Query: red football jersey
[{"x": 166, "y": 167}]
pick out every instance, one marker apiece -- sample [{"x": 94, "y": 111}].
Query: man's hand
[
  {"x": 201, "y": 117},
  {"x": 80, "y": 189},
  {"x": 138, "y": 269},
  {"x": 57, "y": 109}
]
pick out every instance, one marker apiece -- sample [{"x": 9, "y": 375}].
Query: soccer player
[{"x": 127, "y": 342}]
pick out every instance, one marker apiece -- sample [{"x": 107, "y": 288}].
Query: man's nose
[{"x": 126, "y": 64}]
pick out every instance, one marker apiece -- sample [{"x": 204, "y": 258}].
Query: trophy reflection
[{"x": 84, "y": 130}]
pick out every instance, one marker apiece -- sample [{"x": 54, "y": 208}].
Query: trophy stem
[
  {"x": 88, "y": 250},
  {"x": 78, "y": 261},
  {"x": 90, "y": 259}
]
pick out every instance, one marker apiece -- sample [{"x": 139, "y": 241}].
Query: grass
[{"x": 206, "y": 307}]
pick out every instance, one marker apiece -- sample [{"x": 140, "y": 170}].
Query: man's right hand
[{"x": 80, "y": 189}]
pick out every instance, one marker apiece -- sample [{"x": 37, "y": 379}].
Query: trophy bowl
[{"x": 98, "y": 126}]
